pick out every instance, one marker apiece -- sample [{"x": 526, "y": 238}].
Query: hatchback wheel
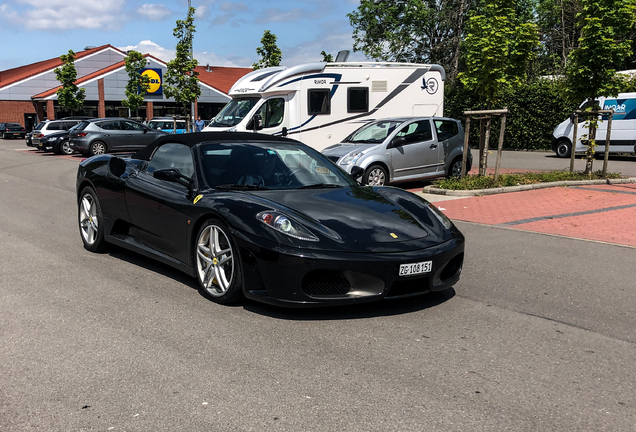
[
  {"x": 455, "y": 168},
  {"x": 218, "y": 265},
  {"x": 65, "y": 148},
  {"x": 376, "y": 175},
  {"x": 97, "y": 148}
]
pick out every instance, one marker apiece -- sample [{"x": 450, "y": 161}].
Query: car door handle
[{"x": 433, "y": 146}]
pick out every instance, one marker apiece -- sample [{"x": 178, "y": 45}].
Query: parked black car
[
  {"x": 105, "y": 135},
  {"x": 57, "y": 142},
  {"x": 267, "y": 218},
  {"x": 12, "y": 130}
]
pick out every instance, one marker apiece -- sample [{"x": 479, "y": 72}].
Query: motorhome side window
[
  {"x": 319, "y": 101},
  {"x": 358, "y": 99}
]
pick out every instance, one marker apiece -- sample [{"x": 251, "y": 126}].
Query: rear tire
[
  {"x": 217, "y": 263},
  {"x": 97, "y": 148},
  {"x": 563, "y": 148},
  {"x": 455, "y": 168}
]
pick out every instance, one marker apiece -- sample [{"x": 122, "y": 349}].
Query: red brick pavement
[{"x": 598, "y": 212}]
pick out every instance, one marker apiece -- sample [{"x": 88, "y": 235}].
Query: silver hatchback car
[
  {"x": 403, "y": 149},
  {"x": 104, "y": 135}
]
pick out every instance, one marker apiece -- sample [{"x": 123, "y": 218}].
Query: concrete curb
[{"x": 493, "y": 191}]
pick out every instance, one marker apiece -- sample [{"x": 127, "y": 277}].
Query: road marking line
[{"x": 566, "y": 215}]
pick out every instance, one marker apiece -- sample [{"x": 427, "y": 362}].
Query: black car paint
[{"x": 160, "y": 220}]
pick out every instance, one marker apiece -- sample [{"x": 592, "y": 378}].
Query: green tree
[
  {"x": 69, "y": 95},
  {"x": 181, "y": 82},
  {"x": 418, "y": 31},
  {"x": 270, "y": 54},
  {"x": 328, "y": 58},
  {"x": 138, "y": 84},
  {"x": 557, "y": 24},
  {"x": 603, "y": 46},
  {"x": 497, "y": 49}
]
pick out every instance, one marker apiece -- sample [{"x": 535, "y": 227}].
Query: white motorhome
[
  {"x": 321, "y": 103},
  {"x": 622, "y": 137}
]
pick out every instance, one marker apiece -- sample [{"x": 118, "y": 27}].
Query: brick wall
[{"x": 14, "y": 111}]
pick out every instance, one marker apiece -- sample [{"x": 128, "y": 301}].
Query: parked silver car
[
  {"x": 403, "y": 149},
  {"x": 106, "y": 135}
]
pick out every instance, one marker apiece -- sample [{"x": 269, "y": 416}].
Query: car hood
[
  {"x": 345, "y": 148},
  {"x": 357, "y": 214}
]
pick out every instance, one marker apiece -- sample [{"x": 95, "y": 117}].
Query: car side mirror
[
  {"x": 172, "y": 175},
  {"x": 356, "y": 172},
  {"x": 117, "y": 166},
  {"x": 397, "y": 142},
  {"x": 284, "y": 131},
  {"x": 257, "y": 122}
]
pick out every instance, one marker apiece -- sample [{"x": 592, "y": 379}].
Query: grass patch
[{"x": 472, "y": 182}]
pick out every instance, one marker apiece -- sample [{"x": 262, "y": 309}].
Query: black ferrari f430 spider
[{"x": 267, "y": 218}]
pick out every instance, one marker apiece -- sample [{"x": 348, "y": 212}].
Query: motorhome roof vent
[
  {"x": 86, "y": 48},
  {"x": 343, "y": 56},
  {"x": 207, "y": 68}
]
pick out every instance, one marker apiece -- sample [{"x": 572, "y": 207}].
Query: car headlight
[
  {"x": 285, "y": 224},
  {"x": 351, "y": 158}
]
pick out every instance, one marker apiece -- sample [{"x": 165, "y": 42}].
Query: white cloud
[
  {"x": 154, "y": 12},
  {"x": 203, "y": 57},
  {"x": 272, "y": 15},
  {"x": 58, "y": 15}
]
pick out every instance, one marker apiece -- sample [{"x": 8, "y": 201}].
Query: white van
[
  {"x": 321, "y": 103},
  {"x": 623, "y": 134}
]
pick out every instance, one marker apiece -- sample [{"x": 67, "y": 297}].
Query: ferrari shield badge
[{"x": 196, "y": 199}]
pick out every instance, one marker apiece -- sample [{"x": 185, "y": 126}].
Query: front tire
[
  {"x": 91, "y": 221},
  {"x": 65, "y": 148},
  {"x": 217, "y": 263},
  {"x": 563, "y": 148},
  {"x": 97, "y": 148},
  {"x": 376, "y": 175}
]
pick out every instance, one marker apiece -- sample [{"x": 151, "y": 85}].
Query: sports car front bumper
[{"x": 287, "y": 276}]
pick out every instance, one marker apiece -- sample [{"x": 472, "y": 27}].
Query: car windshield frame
[
  {"x": 374, "y": 133},
  {"x": 268, "y": 165},
  {"x": 234, "y": 112}
]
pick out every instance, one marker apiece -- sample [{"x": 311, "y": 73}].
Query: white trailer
[{"x": 321, "y": 103}]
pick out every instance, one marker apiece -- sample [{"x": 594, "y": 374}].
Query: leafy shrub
[{"x": 472, "y": 182}]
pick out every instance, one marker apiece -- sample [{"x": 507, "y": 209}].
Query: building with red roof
[{"x": 28, "y": 93}]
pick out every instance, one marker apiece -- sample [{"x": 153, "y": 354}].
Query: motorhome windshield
[{"x": 234, "y": 112}]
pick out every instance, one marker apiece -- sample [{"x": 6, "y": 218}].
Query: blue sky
[{"x": 228, "y": 32}]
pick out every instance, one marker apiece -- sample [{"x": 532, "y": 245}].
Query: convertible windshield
[
  {"x": 269, "y": 166},
  {"x": 373, "y": 133},
  {"x": 234, "y": 112}
]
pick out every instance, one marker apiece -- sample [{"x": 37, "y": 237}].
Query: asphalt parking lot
[{"x": 537, "y": 335}]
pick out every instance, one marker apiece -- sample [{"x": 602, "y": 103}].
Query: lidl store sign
[{"x": 155, "y": 81}]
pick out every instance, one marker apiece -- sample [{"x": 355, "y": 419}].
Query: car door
[
  {"x": 159, "y": 208},
  {"x": 448, "y": 137},
  {"x": 112, "y": 134},
  {"x": 136, "y": 136},
  {"x": 414, "y": 151}
]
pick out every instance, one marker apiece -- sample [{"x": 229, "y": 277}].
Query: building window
[
  {"x": 358, "y": 99},
  {"x": 319, "y": 101}
]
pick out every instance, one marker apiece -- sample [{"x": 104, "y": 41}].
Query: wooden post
[
  {"x": 607, "y": 143},
  {"x": 483, "y": 163},
  {"x": 481, "y": 142},
  {"x": 500, "y": 146},
  {"x": 574, "y": 140},
  {"x": 465, "y": 155}
]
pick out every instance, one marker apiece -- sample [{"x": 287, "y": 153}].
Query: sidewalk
[{"x": 603, "y": 213}]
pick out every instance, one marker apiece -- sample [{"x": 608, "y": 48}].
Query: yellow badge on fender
[
  {"x": 393, "y": 235},
  {"x": 196, "y": 199}
]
